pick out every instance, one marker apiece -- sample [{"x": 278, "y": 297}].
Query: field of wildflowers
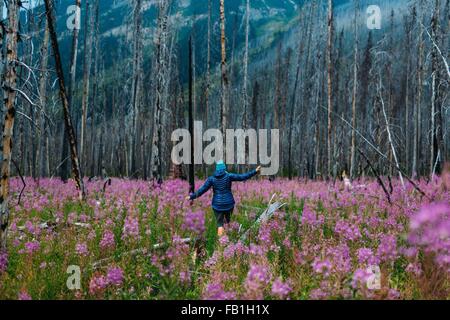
[{"x": 130, "y": 241}]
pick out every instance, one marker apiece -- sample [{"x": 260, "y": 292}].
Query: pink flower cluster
[
  {"x": 3, "y": 261},
  {"x": 258, "y": 278},
  {"x": 107, "y": 240},
  {"x": 194, "y": 221},
  {"x": 281, "y": 289},
  {"x": 215, "y": 291},
  {"x": 99, "y": 282},
  {"x": 130, "y": 228},
  {"x": 430, "y": 230}
]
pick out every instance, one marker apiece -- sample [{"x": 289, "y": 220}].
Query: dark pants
[{"x": 223, "y": 217}]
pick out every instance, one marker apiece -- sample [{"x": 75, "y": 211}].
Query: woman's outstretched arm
[
  {"x": 205, "y": 187},
  {"x": 244, "y": 176}
]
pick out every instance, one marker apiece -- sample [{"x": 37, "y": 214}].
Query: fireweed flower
[
  {"x": 97, "y": 284},
  {"x": 32, "y": 246},
  {"x": 258, "y": 278},
  {"x": 366, "y": 257},
  {"x": 91, "y": 235},
  {"x": 30, "y": 227},
  {"x": 13, "y": 227},
  {"x": 310, "y": 217},
  {"x": 280, "y": 289},
  {"x": 72, "y": 217},
  {"x": 107, "y": 240},
  {"x": 360, "y": 278},
  {"x": 82, "y": 249},
  {"x": 323, "y": 292},
  {"x": 3, "y": 261},
  {"x": 414, "y": 268},
  {"x": 224, "y": 240},
  {"x": 347, "y": 230},
  {"x": 287, "y": 243},
  {"x": 387, "y": 250},
  {"x": 430, "y": 230},
  {"x": 115, "y": 276},
  {"x": 258, "y": 250},
  {"x": 212, "y": 261},
  {"x": 233, "y": 249},
  {"x": 185, "y": 277},
  {"x": 194, "y": 222},
  {"x": 23, "y": 295},
  {"x": 364, "y": 232},
  {"x": 393, "y": 294},
  {"x": 322, "y": 266},
  {"x": 130, "y": 228},
  {"x": 265, "y": 236},
  {"x": 215, "y": 291}
]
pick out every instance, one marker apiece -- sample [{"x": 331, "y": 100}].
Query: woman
[{"x": 222, "y": 201}]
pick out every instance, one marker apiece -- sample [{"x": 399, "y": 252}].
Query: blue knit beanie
[{"x": 220, "y": 165}]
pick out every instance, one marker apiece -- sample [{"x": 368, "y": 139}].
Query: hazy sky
[{"x": 26, "y": 4}]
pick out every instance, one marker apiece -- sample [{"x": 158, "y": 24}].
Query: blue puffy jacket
[{"x": 221, "y": 183}]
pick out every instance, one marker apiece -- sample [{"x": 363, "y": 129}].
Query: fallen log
[
  {"x": 51, "y": 224},
  {"x": 135, "y": 252},
  {"x": 266, "y": 215}
]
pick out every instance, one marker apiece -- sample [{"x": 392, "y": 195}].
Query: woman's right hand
[
  {"x": 188, "y": 198},
  {"x": 258, "y": 169}
]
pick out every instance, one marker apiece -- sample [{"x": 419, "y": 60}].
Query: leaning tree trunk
[
  {"x": 64, "y": 171},
  {"x": 10, "y": 80},
  {"x": 63, "y": 95}
]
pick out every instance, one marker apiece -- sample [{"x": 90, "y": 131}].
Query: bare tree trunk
[
  {"x": 292, "y": 112},
  {"x": 63, "y": 95},
  {"x": 391, "y": 142},
  {"x": 161, "y": 66},
  {"x": 329, "y": 84},
  {"x": 43, "y": 102},
  {"x": 408, "y": 27},
  {"x": 208, "y": 72},
  {"x": 137, "y": 82},
  {"x": 10, "y": 81},
  {"x": 224, "y": 94},
  {"x": 191, "y": 121},
  {"x": 435, "y": 81},
  {"x": 64, "y": 170},
  {"x": 88, "y": 33},
  {"x": 244, "y": 86},
  {"x": 277, "y": 102},
  {"x": 355, "y": 88},
  {"x": 95, "y": 87},
  {"x": 440, "y": 124},
  {"x": 31, "y": 128},
  {"x": 417, "y": 110},
  {"x": 255, "y": 105}
]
